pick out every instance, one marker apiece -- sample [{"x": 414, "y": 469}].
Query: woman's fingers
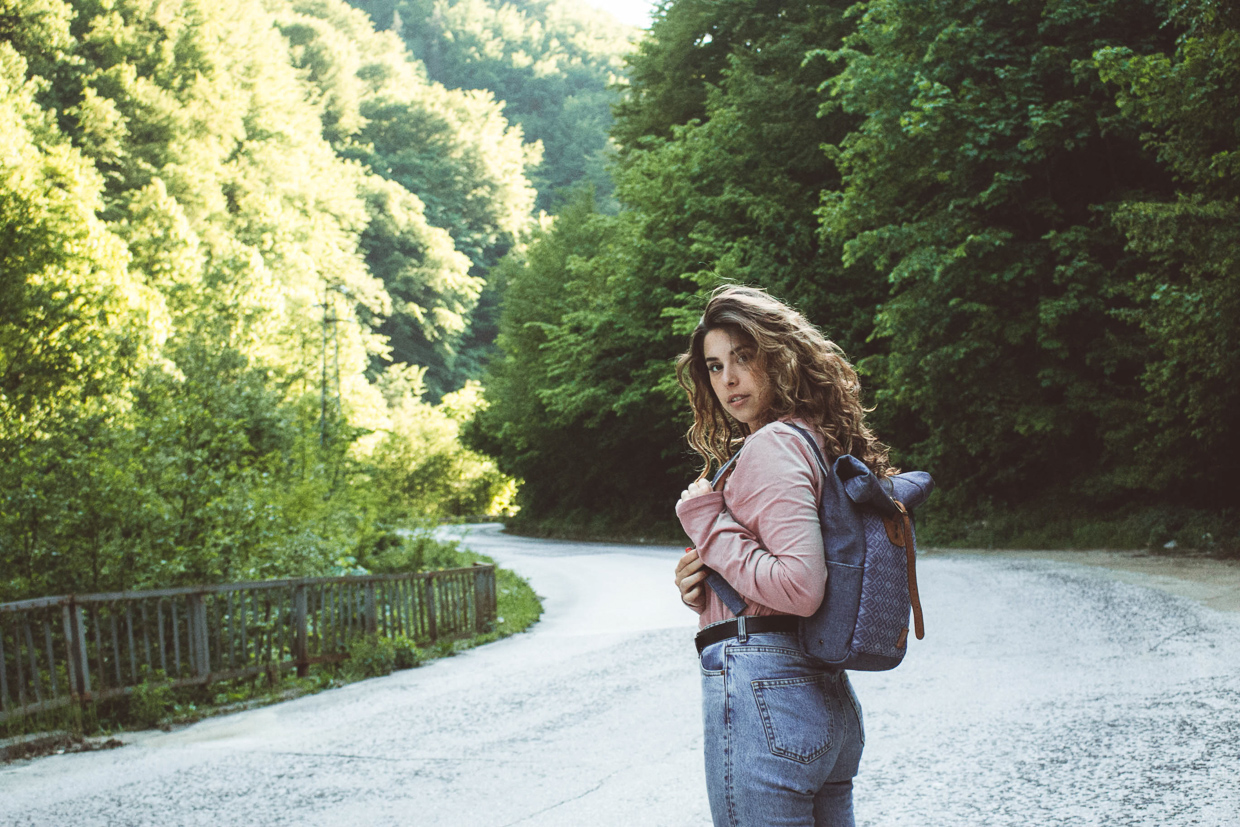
[
  {"x": 685, "y": 579},
  {"x": 691, "y": 584},
  {"x": 690, "y": 572},
  {"x": 696, "y": 489},
  {"x": 693, "y": 580}
]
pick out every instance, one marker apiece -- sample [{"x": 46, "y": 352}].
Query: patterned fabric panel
[{"x": 884, "y": 611}]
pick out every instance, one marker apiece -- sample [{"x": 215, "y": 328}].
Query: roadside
[
  {"x": 153, "y": 709},
  {"x": 1212, "y": 581}
]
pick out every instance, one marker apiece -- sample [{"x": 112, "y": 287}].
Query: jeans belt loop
[{"x": 742, "y": 636}]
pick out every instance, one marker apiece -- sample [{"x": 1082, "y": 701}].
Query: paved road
[{"x": 1044, "y": 694}]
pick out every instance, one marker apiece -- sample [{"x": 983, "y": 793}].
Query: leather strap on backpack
[{"x": 900, "y": 533}]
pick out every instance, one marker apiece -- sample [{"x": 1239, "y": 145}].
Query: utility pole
[
  {"x": 331, "y": 317},
  {"x": 327, "y": 313}
]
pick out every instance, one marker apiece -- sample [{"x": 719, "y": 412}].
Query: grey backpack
[{"x": 868, "y": 537}]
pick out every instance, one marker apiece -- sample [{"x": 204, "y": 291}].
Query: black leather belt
[{"x": 753, "y": 626}]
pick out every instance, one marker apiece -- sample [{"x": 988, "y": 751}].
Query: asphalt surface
[{"x": 1045, "y": 693}]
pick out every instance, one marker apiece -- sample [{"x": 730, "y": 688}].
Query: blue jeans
[{"x": 783, "y": 735}]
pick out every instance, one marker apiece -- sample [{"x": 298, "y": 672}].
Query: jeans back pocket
[{"x": 796, "y": 715}]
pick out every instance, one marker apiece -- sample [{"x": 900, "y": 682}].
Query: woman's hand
[
  {"x": 690, "y": 578},
  {"x": 696, "y": 489}
]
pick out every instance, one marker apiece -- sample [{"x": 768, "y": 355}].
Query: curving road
[{"x": 1045, "y": 693}]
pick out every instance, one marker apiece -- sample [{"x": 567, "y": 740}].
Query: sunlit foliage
[{"x": 196, "y": 273}]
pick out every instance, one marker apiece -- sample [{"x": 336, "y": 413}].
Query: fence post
[
  {"x": 372, "y": 609},
  {"x": 4, "y": 679},
  {"x": 70, "y": 673},
  {"x": 431, "y": 625},
  {"x": 300, "y": 636},
  {"x": 480, "y": 601},
  {"x": 78, "y": 658},
  {"x": 199, "y": 638}
]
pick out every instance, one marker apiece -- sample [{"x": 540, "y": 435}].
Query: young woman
[{"x": 783, "y": 733}]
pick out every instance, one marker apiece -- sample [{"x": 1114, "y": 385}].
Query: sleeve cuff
[{"x": 698, "y": 514}]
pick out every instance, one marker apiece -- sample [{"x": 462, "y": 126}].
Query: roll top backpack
[{"x": 870, "y": 546}]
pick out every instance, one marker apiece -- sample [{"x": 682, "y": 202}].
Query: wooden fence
[{"x": 85, "y": 648}]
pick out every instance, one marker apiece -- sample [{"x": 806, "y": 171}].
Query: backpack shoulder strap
[
  {"x": 822, "y": 463},
  {"x": 730, "y": 596}
]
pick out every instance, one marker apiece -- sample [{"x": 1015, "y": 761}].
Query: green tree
[
  {"x": 189, "y": 292},
  {"x": 552, "y": 63},
  {"x": 72, "y": 320},
  {"x": 1186, "y": 297},
  {"x": 982, "y": 183},
  {"x": 454, "y": 151},
  {"x": 572, "y": 395}
]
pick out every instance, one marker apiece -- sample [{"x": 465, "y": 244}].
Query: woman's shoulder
[
  {"x": 784, "y": 432},
  {"x": 780, "y": 448}
]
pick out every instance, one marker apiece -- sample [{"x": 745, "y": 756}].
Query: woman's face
[{"x": 737, "y": 377}]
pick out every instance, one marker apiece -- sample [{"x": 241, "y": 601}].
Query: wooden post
[
  {"x": 480, "y": 601},
  {"x": 146, "y": 636},
  {"x": 34, "y": 665},
  {"x": 300, "y": 649},
  {"x": 432, "y": 626},
  {"x": 232, "y": 649},
  {"x": 199, "y": 637},
  {"x": 51, "y": 658},
  {"x": 70, "y": 671},
  {"x": 372, "y": 609},
  {"x": 21, "y": 672},
  {"x": 116, "y": 647},
  {"x": 219, "y": 628},
  {"x": 4, "y": 678},
  {"x": 408, "y": 626},
  {"x": 245, "y": 643},
  {"x": 176, "y": 635},
  {"x": 79, "y": 662},
  {"x": 163, "y": 644},
  {"x": 133, "y": 655}
]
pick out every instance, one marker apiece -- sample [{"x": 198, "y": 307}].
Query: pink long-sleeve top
[{"x": 761, "y": 532}]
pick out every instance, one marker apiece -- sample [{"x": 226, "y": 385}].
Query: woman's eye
[{"x": 714, "y": 368}]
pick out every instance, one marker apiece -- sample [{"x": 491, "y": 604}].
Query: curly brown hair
[{"x": 809, "y": 379}]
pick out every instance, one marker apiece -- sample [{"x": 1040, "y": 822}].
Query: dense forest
[
  {"x": 243, "y": 245},
  {"x": 283, "y": 279},
  {"x": 1019, "y": 219}
]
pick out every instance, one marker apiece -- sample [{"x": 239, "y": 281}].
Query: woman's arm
[{"x": 763, "y": 536}]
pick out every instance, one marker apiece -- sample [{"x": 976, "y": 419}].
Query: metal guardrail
[{"x": 85, "y": 648}]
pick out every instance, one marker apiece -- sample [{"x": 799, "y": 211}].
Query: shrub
[
  {"x": 369, "y": 657},
  {"x": 408, "y": 655},
  {"x": 150, "y": 703}
]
